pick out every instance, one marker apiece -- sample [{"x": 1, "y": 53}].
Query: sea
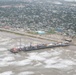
[{"x": 53, "y": 61}]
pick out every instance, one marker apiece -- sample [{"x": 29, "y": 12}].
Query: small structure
[
  {"x": 69, "y": 40},
  {"x": 40, "y": 32}
]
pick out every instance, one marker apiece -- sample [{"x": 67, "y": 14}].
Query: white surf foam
[
  {"x": 7, "y": 73},
  {"x": 23, "y": 62},
  {"x": 4, "y": 39},
  {"x": 3, "y": 49},
  {"x": 8, "y": 59},
  {"x": 35, "y": 56},
  {"x": 26, "y": 73},
  {"x": 45, "y": 54},
  {"x": 59, "y": 63}
]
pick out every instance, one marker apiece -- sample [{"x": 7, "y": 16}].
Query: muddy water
[
  {"x": 43, "y": 62},
  {"x": 55, "y": 61}
]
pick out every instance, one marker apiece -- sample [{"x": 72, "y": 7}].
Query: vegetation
[
  {"x": 51, "y": 31},
  {"x": 38, "y": 14}
]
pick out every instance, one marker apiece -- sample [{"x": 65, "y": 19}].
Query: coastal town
[{"x": 37, "y": 37}]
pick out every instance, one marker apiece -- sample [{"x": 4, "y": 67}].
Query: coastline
[{"x": 48, "y": 37}]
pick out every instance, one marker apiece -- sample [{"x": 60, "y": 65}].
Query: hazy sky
[
  {"x": 70, "y": 0},
  {"x": 37, "y": 0}
]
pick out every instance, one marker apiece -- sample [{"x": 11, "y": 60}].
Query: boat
[{"x": 38, "y": 47}]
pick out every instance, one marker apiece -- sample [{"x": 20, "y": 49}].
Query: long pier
[{"x": 38, "y": 47}]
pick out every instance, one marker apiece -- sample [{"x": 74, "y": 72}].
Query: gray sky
[{"x": 37, "y": 0}]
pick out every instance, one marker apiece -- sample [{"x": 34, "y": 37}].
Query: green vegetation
[
  {"x": 51, "y": 31},
  {"x": 32, "y": 32},
  {"x": 37, "y": 15}
]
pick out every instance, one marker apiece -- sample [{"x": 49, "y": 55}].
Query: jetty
[{"x": 39, "y": 47}]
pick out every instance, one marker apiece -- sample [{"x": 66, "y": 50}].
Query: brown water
[{"x": 55, "y": 61}]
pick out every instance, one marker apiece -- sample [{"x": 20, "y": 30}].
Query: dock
[{"x": 39, "y": 47}]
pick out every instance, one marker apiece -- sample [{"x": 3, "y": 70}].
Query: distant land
[{"x": 39, "y": 14}]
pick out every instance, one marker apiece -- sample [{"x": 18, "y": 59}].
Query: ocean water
[{"x": 55, "y": 61}]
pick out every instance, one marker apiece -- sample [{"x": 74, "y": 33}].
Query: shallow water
[{"x": 56, "y": 61}]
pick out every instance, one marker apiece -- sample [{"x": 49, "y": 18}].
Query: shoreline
[
  {"x": 39, "y": 39},
  {"x": 48, "y": 37}
]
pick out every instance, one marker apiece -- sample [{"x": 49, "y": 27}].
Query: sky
[
  {"x": 44, "y": 0},
  {"x": 70, "y": 0}
]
